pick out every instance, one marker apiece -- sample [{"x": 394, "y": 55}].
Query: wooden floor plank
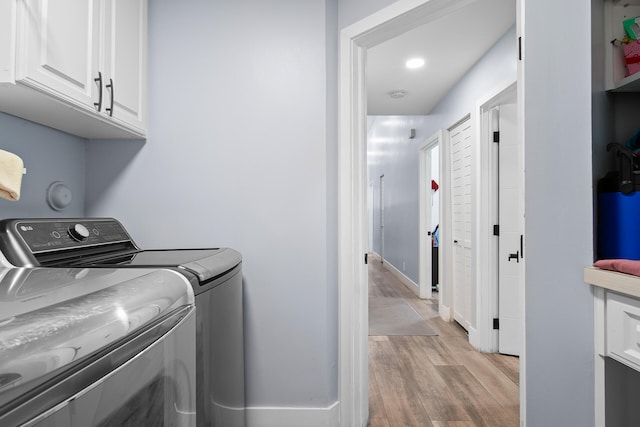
[
  {"x": 397, "y": 387},
  {"x": 436, "y": 352},
  {"x": 379, "y": 422},
  {"x": 377, "y": 414},
  {"x": 504, "y": 390},
  {"x": 439, "y": 381},
  {"x": 508, "y": 365},
  {"x": 437, "y": 399},
  {"x": 483, "y": 408},
  {"x": 456, "y": 344},
  {"x": 454, "y": 424}
]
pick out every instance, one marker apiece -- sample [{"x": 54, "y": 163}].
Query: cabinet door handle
[
  {"x": 98, "y": 80},
  {"x": 110, "y": 109}
]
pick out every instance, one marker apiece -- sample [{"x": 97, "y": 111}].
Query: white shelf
[
  {"x": 627, "y": 84},
  {"x": 616, "y": 11}
]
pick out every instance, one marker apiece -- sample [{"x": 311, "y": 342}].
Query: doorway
[
  {"x": 500, "y": 237},
  {"x": 353, "y": 229},
  {"x": 429, "y": 225}
]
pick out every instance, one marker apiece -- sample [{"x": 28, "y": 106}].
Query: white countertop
[{"x": 627, "y": 284}]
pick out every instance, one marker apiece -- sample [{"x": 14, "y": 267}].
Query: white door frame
[
  {"x": 381, "y": 189},
  {"x": 396, "y": 19},
  {"x": 424, "y": 250},
  {"x": 485, "y": 337}
]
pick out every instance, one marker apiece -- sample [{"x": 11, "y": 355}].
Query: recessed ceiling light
[{"x": 414, "y": 63}]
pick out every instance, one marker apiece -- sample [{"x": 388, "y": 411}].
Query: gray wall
[
  {"x": 393, "y": 154},
  {"x": 559, "y": 359},
  {"x": 242, "y": 152},
  {"x": 48, "y": 155}
]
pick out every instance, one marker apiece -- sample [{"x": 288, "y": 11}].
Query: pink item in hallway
[{"x": 622, "y": 265}]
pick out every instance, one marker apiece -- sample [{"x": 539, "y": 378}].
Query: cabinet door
[
  {"x": 57, "y": 48},
  {"x": 124, "y": 60}
]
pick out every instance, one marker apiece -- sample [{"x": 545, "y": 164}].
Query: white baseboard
[
  {"x": 445, "y": 313},
  {"x": 485, "y": 344},
  {"x": 474, "y": 338},
  {"x": 293, "y": 417},
  {"x": 410, "y": 284}
]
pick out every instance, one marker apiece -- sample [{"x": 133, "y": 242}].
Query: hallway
[{"x": 440, "y": 381}]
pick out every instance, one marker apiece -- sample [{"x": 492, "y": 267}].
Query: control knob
[{"x": 79, "y": 232}]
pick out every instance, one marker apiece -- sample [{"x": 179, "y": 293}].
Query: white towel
[{"x": 11, "y": 167}]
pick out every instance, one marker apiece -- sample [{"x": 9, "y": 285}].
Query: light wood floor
[{"x": 439, "y": 381}]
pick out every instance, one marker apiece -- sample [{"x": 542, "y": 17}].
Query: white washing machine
[
  {"x": 96, "y": 347},
  {"x": 215, "y": 275}
]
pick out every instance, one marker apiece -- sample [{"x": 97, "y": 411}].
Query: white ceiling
[{"x": 450, "y": 46}]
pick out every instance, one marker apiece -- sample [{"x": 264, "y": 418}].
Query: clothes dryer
[
  {"x": 96, "y": 347},
  {"x": 215, "y": 275}
]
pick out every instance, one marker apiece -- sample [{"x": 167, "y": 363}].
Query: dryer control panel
[{"x": 23, "y": 240}]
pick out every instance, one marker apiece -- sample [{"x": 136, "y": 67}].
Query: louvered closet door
[{"x": 460, "y": 138}]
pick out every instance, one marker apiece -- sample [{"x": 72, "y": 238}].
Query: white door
[
  {"x": 58, "y": 48},
  {"x": 460, "y": 137},
  {"x": 510, "y": 241},
  {"x": 382, "y": 218}
]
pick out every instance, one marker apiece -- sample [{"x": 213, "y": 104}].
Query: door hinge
[
  {"x": 366, "y": 258},
  {"x": 496, "y": 323},
  {"x": 496, "y": 136},
  {"x": 496, "y": 230},
  {"x": 519, "y": 48}
]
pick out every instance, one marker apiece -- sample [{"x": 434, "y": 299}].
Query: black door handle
[{"x": 515, "y": 256}]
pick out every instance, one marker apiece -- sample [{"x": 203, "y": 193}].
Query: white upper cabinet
[
  {"x": 124, "y": 41},
  {"x": 53, "y": 55},
  {"x": 76, "y": 65}
]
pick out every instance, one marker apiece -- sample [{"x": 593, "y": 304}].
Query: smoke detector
[{"x": 397, "y": 94}]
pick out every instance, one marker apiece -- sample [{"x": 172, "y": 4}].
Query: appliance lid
[
  {"x": 210, "y": 267},
  {"x": 44, "y": 331},
  {"x": 206, "y": 264}
]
